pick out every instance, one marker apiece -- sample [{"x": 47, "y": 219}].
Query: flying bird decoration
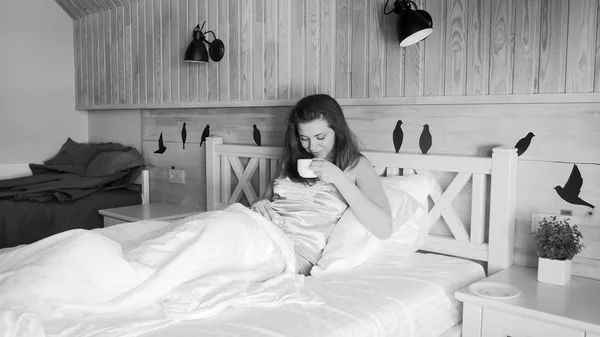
[
  {"x": 523, "y": 143},
  {"x": 183, "y": 135},
  {"x": 205, "y": 134},
  {"x": 256, "y": 135},
  {"x": 425, "y": 139},
  {"x": 570, "y": 192},
  {"x": 161, "y": 145},
  {"x": 398, "y": 136}
]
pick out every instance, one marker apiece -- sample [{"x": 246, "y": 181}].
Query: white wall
[
  {"x": 37, "y": 86},
  {"x": 120, "y": 126}
]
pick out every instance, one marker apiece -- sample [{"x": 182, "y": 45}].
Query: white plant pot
[{"x": 554, "y": 271}]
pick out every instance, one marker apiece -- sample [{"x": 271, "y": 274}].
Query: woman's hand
[
  {"x": 326, "y": 170},
  {"x": 263, "y": 207}
]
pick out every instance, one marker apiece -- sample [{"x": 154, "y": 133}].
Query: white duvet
[{"x": 88, "y": 283}]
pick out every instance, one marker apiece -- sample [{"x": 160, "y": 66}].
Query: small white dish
[{"x": 494, "y": 290}]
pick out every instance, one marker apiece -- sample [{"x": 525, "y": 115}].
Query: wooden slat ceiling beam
[{"x": 80, "y": 8}]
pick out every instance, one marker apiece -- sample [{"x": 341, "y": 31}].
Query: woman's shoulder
[{"x": 362, "y": 166}]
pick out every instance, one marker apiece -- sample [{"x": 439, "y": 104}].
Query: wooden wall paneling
[
  {"x": 376, "y": 49},
  {"x": 141, "y": 51},
  {"x": 114, "y": 58},
  {"x": 121, "y": 54},
  {"x": 185, "y": 33},
  {"x": 101, "y": 73},
  {"x": 158, "y": 52},
  {"x": 478, "y": 50},
  {"x": 85, "y": 60},
  {"x": 150, "y": 51},
  {"x": 456, "y": 49},
  {"x": 65, "y": 7},
  {"x": 553, "y": 46},
  {"x": 247, "y": 45},
  {"x": 176, "y": 59},
  {"x": 413, "y": 66},
  {"x": 527, "y": 47},
  {"x": 192, "y": 69},
  {"x": 77, "y": 48},
  {"x": 130, "y": 57},
  {"x": 311, "y": 47},
  {"x": 212, "y": 71},
  {"x": 203, "y": 81},
  {"x": 394, "y": 58},
  {"x": 327, "y": 24},
  {"x": 581, "y": 47},
  {"x": 476, "y": 129},
  {"x": 435, "y": 47},
  {"x": 359, "y": 71},
  {"x": 107, "y": 58},
  {"x": 502, "y": 47},
  {"x": 297, "y": 47},
  {"x": 223, "y": 28},
  {"x": 165, "y": 17},
  {"x": 259, "y": 51},
  {"x": 342, "y": 48},
  {"x": 271, "y": 60},
  {"x": 234, "y": 50},
  {"x": 95, "y": 24},
  {"x": 283, "y": 49},
  {"x": 597, "y": 53}
]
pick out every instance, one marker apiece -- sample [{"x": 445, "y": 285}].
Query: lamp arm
[
  {"x": 213, "y": 34},
  {"x": 385, "y": 6}
]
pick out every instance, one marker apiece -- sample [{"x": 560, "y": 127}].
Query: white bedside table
[
  {"x": 152, "y": 211},
  {"x": 543, "y": 310}
]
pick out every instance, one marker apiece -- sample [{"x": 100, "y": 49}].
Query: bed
[
  {"x": 389, "y": 294},
  {"x": 385, "y": 295},
  {"x": 26, "y": 221}
]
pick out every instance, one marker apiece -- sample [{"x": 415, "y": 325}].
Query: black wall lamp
[
  {"x": 412, "y": 25},
  {"x": 196, "y": 51}
]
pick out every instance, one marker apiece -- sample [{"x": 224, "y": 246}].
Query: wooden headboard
[{"x": 501, "y": 167}]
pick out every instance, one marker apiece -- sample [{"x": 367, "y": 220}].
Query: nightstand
[
  {"x": 152, "y": 211},
  {"x": 542, "y": 309}
]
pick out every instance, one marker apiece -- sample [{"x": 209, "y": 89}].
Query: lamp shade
[
  {"x": 196, "y": 51},
  {"x": 413, "y": 26}
]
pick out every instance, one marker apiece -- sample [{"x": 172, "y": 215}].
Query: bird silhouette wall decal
[
  {"x": 256, "y": 135},
  {"x": 183, "y": 135},
  {"x": 570, "y": 192},
  {"x": 205, "y": 134},
  {"x": 425, "y": 139},
  {"x": 398, "y": 136},
  {"x": 523, "y": 143},
  {"x": 161, "y": 145}
]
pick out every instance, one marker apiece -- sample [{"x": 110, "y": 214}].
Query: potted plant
[{"x": 557, "y": 243}]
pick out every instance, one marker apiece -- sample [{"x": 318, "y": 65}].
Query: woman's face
[{"x": 317, "y": 138}]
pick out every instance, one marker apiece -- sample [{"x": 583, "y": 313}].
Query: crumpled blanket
[
  {"x": 77, "y": 170},
  {"x": 83, "y": 283}
]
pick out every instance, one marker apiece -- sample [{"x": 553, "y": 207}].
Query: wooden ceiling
[{"x": 81, "y": 8}]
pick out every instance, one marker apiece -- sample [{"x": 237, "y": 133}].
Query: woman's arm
[
  {"x": 366, "y": 197},
  {"x": 262, "y": 205}
]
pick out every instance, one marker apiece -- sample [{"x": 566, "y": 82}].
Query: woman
[{"x": 308, "y": 209}]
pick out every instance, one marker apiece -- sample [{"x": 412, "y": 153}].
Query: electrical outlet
[
  {"x": 537, "y": 217},
  {"x": 176, "y": 176}
]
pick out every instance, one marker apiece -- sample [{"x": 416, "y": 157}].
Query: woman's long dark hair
[{"x": 308, "y": 109}]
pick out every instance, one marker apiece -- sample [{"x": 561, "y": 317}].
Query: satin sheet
[
  {"x": 309, "y": 213},
  {"x": 382, "y": 297}
]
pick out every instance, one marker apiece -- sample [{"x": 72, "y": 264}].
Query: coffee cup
[{"x": 303, "y": 168}]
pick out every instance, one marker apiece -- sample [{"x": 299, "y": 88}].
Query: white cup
[{"x": 303, "y": 168}]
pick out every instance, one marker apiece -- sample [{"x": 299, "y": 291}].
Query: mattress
[{"x": 382, "y": 297}]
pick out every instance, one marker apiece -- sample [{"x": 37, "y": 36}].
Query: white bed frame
[
  {"x": 222, "y": 159},
  {"x": 8, "y": 171}
]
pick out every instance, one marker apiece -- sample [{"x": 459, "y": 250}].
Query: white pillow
[{"x": 350, "y": 243}]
